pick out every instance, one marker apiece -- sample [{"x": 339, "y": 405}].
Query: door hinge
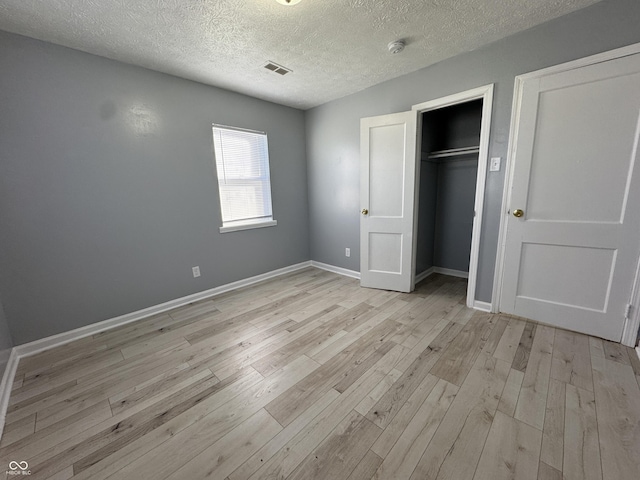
[{"x": 627, "y": 311}]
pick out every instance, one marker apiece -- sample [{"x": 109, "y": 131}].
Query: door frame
[
  {"x": 632, "y": 324},
  {"x": 484, "y": 93}
]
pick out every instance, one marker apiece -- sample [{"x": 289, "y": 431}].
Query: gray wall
[
  {"x": 5, "y": 342},
  {"x": 333, "y": 128},
  {"x": 108, "y": 194},
  {"x": 428, "y": 196},
  {"x": 426, "y": 216},
  {"x": 454, "y": 213}
]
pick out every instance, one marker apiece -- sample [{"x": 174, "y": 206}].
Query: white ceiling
[{"x": 334, "y": 47}]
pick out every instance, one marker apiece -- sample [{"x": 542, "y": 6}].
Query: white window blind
[{"x": 242, "y": 164}]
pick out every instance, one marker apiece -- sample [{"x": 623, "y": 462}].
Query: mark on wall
[{"x": 142, "y": 120}]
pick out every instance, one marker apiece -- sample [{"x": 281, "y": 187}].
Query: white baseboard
[
  {"x": 6, "y": 386},
  {"x": 53, "y": 341},
  {"x": 450, "y": 272},
  {"x": 638, "y": 351},
  {"x": 425, "y": 274},
  {"x": 419, "y": 277},
  {"x": 483, "y": 306},
  {"x": 443, "y": 271},
  {"x": 334, "y": 269}
]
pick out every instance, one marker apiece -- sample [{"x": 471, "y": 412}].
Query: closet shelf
[{"x": 452, "y": 152}]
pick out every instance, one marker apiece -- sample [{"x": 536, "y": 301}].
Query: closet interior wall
[{"x": 447, "y": 187}]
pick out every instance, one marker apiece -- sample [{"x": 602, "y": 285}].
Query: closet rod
[
  {"x": 449, "y": 160},
  {"x": 454, "y": 151}
]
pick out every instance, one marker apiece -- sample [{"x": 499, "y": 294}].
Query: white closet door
[
  {"x": 570, "y": 259},
  {"x": 387, "y": 186}
]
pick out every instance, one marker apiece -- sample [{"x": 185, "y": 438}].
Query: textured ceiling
[{"x": 334, "y": 47}]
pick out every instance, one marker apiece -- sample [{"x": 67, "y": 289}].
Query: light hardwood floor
[{"x": 310, "y": 376}]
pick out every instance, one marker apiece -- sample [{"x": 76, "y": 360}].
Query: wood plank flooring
[{"x": 309, "y": 376}]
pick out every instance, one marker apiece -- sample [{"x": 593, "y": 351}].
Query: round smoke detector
[{"x": 396, "y": 47}]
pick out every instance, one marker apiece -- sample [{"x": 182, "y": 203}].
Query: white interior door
[
  {"x": 570, "y": 259},
  {"x": 387, "y": 187}
]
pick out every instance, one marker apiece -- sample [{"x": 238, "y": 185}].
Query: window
[{"x": 242, "y": 165}]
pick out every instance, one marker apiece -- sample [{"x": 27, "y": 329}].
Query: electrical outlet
[
  {"x": 347, "y": 252},
  {"x": 495, "y": 164},
  {"x": 196, "y": 272}
]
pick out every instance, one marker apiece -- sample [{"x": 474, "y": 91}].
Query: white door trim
[
  {"x": 631, "y": 326},
  {"x": 508, "y": 172},
  {"x": 486, "y": 94}
]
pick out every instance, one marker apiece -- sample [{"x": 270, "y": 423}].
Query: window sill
[{"x": 248, "y": 226}]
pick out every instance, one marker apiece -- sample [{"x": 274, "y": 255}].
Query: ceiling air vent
[{"x": 275, "y": 68}]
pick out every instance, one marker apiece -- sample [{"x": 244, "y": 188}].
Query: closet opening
[{"x": 451, "y": 169}]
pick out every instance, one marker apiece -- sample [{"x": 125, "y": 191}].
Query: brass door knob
[
  {"x": 365, "y": 211},
  {"x": 518, "y": 213}
]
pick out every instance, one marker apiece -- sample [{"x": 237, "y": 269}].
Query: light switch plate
[{"x": 495, "y": 164}]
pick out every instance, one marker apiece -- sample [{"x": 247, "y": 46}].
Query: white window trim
[
  {"x": 248, "y": 225},
  {"x": 251, "y": 224}
]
